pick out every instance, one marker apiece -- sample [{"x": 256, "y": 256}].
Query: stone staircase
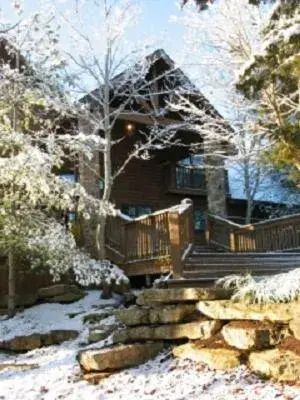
[{"x": 205, "y": 265}]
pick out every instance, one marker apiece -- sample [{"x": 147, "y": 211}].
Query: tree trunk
[
  {"x": 249, "y": 211},
  {"x": 11, "y": 303},
  {"x": 100, "y": 237}
]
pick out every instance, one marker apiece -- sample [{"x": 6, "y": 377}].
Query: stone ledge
[
  {"x": 169, "y": 314},
  {"x": 180, "y": 295},
  {"x": 37, "y": 340},
  {"x": 229, "y": 310},
  {"x": 201, "y": 329}
]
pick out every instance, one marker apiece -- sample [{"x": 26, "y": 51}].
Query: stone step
[
  {"x": 166, "y": 314},
  {"x": 202, "y": 329},
  {"x": 114, "y": 358},
  {"x": 193, "y": 266},
  {"x": 215, "y": 273},
  {"x": 245, "y": 254},
  {"x": 230, "y": 310},
  {"x": 179, "y": 295}
]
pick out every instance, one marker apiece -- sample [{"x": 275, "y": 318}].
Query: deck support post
[
  {"x": 232, "y": 241},
  {"x": 174, "y": 235}
]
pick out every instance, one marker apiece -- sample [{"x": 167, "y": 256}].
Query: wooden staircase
[
  {"x": 205, "y": 265},
  {"x": 164, "y": 242}
]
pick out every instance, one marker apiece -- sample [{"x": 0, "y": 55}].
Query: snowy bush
[
  {"x": 55, "y": 249},
  {"x": 281, "y": 288}
]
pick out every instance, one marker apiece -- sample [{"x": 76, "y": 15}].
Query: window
[
  {"x": 136, "y": 210},
  {"x": 68, "y": 176},
  {"x": 199, "y": 220}
]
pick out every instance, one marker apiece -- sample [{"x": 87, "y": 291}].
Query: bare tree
[{"x": 130, "y": 86}]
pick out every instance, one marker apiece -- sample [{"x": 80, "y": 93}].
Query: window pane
[
  {"x": 136, "y": 210},
  {"x": 199, "y": 220}
]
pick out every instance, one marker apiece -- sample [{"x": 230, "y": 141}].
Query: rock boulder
[
  {"x": 214, "y": 352},
  {"x": 60, "y": 293},
  {"x": 229, "y": 310},
  {"x": 118, "y": 357},
  {"x": 282, "y": 365},
  {"x": 254, "y": 335},
  {"x": 37, "y": 340},
  {"x": 201, "y": 329}
]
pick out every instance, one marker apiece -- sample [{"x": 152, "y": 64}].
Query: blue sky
[{"x": 155, "y": 22}]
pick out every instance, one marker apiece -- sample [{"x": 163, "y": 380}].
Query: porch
[{"x": 164, "y": 242}]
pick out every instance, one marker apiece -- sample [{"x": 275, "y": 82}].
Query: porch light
[{"x": 129, "y": 128}]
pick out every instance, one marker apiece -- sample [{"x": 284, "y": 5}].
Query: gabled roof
[{"x": 161, "y": 78}]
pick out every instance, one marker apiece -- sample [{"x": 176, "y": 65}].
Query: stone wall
[
  {"x": 216, "y": 180},
  {"x": 217, "y": 332}
]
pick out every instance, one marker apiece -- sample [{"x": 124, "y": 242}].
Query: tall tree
[
  {"x": 128, "y": 84},
  {"x": 32, "y": 147},
  {"x": 272, "y": 80}
]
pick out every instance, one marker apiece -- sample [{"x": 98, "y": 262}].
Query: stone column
[
  {"x": 89, "y": 178},
  {"x": 216, "y": 182}
]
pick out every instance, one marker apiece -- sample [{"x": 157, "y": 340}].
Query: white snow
[{"x": 161, "y": 379}]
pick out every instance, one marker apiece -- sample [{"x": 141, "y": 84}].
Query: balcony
[{"x": 185, "y": 180}]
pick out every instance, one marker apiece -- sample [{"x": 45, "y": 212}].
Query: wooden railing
[
  {"x": 147, "y": 237},
  {"x": 280, "y": 234},
  {"x": 163, "y": 235}
]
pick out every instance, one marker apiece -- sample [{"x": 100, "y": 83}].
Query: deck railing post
[
  {"x": 175, "y": 245},
  {"x": 208, "y": 229},
  {"x": 123, "y": 244},
  {"x": 232, "y": 240},
  {"x": 191, "y": 223}
]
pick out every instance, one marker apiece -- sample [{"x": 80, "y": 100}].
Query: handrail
[
  {"x": 271, "y": 235},
  {"x": 163, "y": 234},
  {"x": 274, "y": 221}
]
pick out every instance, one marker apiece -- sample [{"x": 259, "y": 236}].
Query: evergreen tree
[{"x": 272, "y": 80}]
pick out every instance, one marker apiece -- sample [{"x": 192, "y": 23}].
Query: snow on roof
[{"x": 271, "y": 189}]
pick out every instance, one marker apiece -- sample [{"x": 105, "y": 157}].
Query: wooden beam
[
  {"x": 147, "y": 267},
  {"x": 147, "y": 119}
]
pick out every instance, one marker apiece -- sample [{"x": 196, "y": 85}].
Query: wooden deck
[{"x": 164, "y": 242}]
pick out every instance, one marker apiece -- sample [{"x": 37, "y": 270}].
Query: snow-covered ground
[{"x": 161, "y": 379}]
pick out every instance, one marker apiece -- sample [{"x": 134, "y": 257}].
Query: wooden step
[
  {"x": 191, "y": 265},
  {"x": 195, "y": 282},
  {"x": 250, "y": 254},
  {"x": 235, "y": 271}
]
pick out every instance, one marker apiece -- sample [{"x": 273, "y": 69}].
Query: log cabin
[
  {"x": 161, "y": 228},
  {"x": 167, "y": 206}
]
